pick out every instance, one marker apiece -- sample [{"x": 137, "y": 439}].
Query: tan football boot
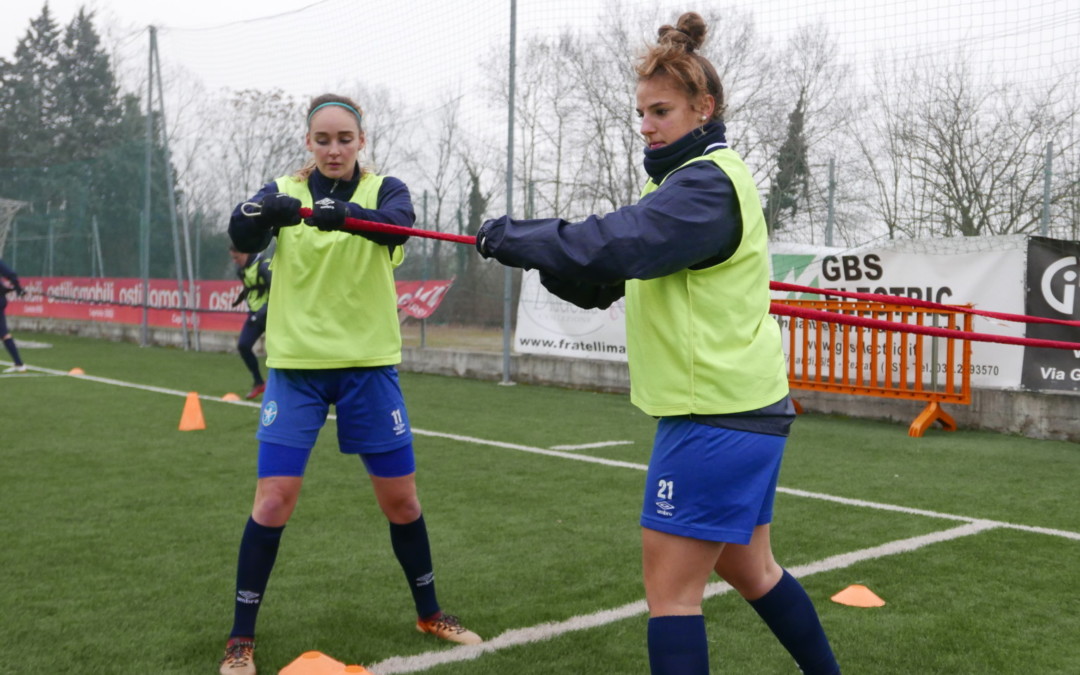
[{"x": 448, "y": 627}]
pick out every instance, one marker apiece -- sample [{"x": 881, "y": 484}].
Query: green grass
[{"x": 120, "y": 533}]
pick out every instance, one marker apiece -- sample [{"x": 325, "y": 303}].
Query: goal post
[{"x": 8, "y": 209}]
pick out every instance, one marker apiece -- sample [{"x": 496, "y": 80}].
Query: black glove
[
  {"x": 279, "y": 210},
  {"x": 583, "y": 294},
  {"x": 328, "y": 215},
  {"x": 240, "y": 297},
  {"x": 19, "y": 290},
  {"x": 482, "y": 239}
]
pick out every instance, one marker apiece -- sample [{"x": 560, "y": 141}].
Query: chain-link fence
[{"x": 861, "y": 122}]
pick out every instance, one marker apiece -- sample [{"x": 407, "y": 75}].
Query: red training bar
[{"x": 356, "y": 224}]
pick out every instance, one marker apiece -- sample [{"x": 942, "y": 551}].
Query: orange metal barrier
[{"x": 834, "y": 357}]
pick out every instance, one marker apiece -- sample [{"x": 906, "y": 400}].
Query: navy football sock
[
  {"x": 13, "y": 350},
  {"x": 258, "y": 550},
  {"x": 678, "y": 646},
  {"x": 413, "y": 551},
  {"x": 252, "y": 363},
  {"x": 790, "y": 614}
]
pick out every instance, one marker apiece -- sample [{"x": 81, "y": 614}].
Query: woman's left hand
[{"x": 328, "y": 214}]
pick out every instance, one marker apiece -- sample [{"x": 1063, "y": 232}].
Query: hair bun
[{"x": 689, "y": 32}]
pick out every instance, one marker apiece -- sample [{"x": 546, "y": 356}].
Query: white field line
[
  {"x": 547, "y": 631},
  {"x": 590, "y": 446},
  {"x": 30, "y": 344},
  {"x": 143, "y": 387},
  {"x": 608, "y": 462},
  {"x": 1067, "y": 534}
]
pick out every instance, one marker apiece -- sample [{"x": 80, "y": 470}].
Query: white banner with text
[{"x": 1012, "y": 275}]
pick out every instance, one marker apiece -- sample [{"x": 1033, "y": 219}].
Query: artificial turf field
[{"x": 119, "y": 533}]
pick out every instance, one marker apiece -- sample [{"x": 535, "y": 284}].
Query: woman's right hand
[{"x": 278, "y": 210}]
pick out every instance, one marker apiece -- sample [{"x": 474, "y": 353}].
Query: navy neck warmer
[{"x": 662, "y": 161}]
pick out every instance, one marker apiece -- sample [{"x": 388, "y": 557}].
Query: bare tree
[
  {"x": 814, "y": 82},
  {"x": 385, "y": 124},
  {"x": 747, "y": 68},
  {"x": 546, "y": 114},
  {"x": 611, "y": 175},
  {"x": 980, "y": 151},
  {"x": 882, "y": 134},
  {"x": 257, "y": 139},
  {"x": 438, "y": 172}
]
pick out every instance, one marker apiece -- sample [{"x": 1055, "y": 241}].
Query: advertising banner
[
  {"x": 419, "y": 299},
  {"x": 944, "y": 271},
  {"x": 549, "y": 325},
  {"x": 1053, "y": 276},
  {"x": 987, "y": 273},
  {"x": 120, "y": 300}
]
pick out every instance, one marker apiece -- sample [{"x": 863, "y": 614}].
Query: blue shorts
[
  {"x": 371, "y": 415},
  {"x": 281, "y": 460},
  {"x": 710, "y": 483}
]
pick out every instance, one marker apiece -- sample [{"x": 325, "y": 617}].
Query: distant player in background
[
  {"x": 8, "y": 276},
  {"x": 332, "y": 338},
  {"x": 254, "y": 272},
  {"x": 705, "y": 357}
]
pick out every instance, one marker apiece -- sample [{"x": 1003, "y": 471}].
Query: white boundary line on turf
[
  {"x": 548, "y": 631},
  {"x": 1067, "y": 534},
  {"x": 603, "y": 461},
  {"x": 590, "y": 446},
  {"x": 143, "y": 387},
  {"x": 791, "y": 491}
]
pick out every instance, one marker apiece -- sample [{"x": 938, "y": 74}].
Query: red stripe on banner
[{"x": 120, "y": 300}]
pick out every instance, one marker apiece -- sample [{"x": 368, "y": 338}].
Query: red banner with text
[{"x": 115, "y": 300}]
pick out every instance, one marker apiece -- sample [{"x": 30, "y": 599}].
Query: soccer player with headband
[{"x": 332, "y": 338}]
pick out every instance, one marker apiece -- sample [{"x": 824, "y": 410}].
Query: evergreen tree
[
  {"x": 792, "y": 172},
  {"x": 88, "y": 108},
  {"x": 27, "y": 100},
  {"x": 74, "y": 146}
]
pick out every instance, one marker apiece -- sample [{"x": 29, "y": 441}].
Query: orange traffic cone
[
  {"x": 230, "y": 397},
  {"x": 192, "y": 419},
  {"x": 76, "y": 371},
  {"x": 317, "y": 663},
  {"x": 858, "y": 595}
]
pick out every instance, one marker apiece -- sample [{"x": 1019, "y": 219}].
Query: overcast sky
[
  {"x": 135, "y": 14},
  {"x": 308, "y": 46}
]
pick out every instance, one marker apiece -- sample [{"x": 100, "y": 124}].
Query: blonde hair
[
  {"x": 675, "y": 56},
  {"x": 304, "y": 172}
]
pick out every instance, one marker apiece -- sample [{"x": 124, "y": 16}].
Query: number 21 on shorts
[{"x": 667, "y": 489}]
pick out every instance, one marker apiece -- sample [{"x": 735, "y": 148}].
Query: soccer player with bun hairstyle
[
  {"x": 332, "y": 338},
  {"x": 705, "y": 356}
]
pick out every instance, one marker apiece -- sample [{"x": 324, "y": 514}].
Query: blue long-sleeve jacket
[
  {"x": 12, "y": 278},
  {"x": 7, "y": 273},
  {"x": 395, "y": 208},
  {"x": 693, "y": 220}
]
